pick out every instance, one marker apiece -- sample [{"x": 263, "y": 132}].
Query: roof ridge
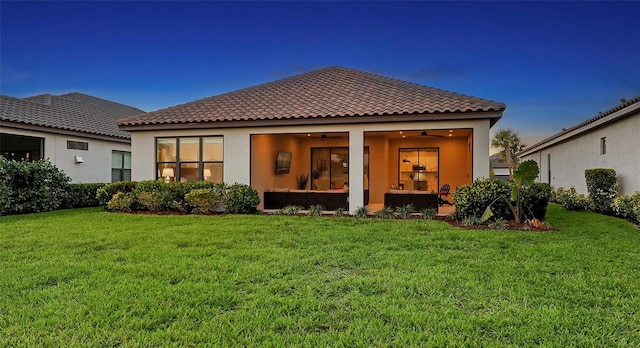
[{"x": 602, "y": 114}]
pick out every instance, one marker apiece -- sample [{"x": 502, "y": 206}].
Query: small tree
[{"x": 509, "y": 143}]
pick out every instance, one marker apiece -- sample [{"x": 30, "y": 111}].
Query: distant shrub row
[{"x": 602, "y": 186}]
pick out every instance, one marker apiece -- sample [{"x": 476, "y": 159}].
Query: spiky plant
[
  {"x": 384, "y": 213},
  {"x": 405, "y": 211},
  {"x": 429, "y": 213},
  {"x": 290, "y": 210},
  {"x": 339, "y": 212},
  {"x": 362, "y": 212},
  {"x": 315, "y": 210}
]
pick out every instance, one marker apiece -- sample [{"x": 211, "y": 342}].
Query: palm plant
[{"x": 509, "y": 143}]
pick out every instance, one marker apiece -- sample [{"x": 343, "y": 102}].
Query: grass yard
[{"x": 88, "y": 277}]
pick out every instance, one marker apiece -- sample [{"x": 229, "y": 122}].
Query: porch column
[
  {"x": 356, "y": 169},
  {"x": 481, "y": 150}
]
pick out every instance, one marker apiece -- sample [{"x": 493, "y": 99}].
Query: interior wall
[
  {"x": 378, "y": 167},
  {"x": 264, "y": 150}
]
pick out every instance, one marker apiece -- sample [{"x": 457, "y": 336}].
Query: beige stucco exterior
[
  {"x": 571, "y": 154},
  {"x": 249, "y": 153},
  {"x": 96, "y": 166}
]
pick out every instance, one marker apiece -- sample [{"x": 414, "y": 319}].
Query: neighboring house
[
  {"x": 500, "y": 169},
  {"x": 359, "y": 132},
  {"x": 76, "y": 132},
  {"x": 608, "y": 140}
]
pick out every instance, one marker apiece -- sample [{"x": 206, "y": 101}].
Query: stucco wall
[
  {"x": 238, "y": 146},
  {"x": 571, "y": 158},
  {"x": 97, "y": 160}
]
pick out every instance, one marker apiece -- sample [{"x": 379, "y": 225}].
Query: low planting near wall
[{"x": 191, "y": 197}]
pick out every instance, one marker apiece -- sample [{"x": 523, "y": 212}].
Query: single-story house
[
  {"x": 76, "y": 132},
  {"x": 356, "y": 134},
  {"x": 499, "y": 168},
  {"x": 609, "y": 140}
]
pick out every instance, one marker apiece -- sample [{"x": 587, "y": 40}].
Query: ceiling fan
[
  {"x": 324, "y": 136},
  {"x": 425, "y": 134}
]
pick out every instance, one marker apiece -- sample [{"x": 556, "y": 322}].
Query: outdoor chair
[{"x": 444, "y": 191}]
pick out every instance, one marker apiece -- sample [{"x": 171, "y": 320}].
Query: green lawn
[{"x": 87, "y": 277}]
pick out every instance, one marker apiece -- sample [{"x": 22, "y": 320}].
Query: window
[
  {"x": 120, "y": 166},
  {"x": 77, "y": 145},
  {"x": 603, "y": 145},
  {"x": 21, "y": 148},
  {"x": 419, "y": 169},
  {"x": 189, "y": 159},
  {"x": 330, "y": 168}
]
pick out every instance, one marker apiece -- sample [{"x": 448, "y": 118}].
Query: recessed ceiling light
[
  {"x": 404, "y": 136},
  {"x": 450, "y": 134},
  {"x": 450, "y": 130},
  {"x": 400, "y": 132},
  {"x": 308, "y": 135}
]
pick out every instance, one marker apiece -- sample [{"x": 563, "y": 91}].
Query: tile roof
[
  {"x": 73, "y": 111},
  {"x": 623, "y": 104},
  {"x": 331, "y": 92},
  {"x": 496, "y": 162}
]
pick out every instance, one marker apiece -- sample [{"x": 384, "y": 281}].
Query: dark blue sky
[{"x": 553, "y": 63}]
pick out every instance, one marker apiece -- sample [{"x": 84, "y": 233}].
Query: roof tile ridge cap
[
  {"x": 439, "y": 91},
  {"x": 25, "y": 100},
  {"x": 586, "y": 122},
  {"x": 94, "y": 97},
  {"x": 261, "y": 85}
]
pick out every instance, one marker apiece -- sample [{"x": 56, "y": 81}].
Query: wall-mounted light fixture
[{"x": 78, "y": 159}]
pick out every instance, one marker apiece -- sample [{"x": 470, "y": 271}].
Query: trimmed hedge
[
  {"x": 472, "y": 200},
  {"x": 628, "y": 207},
  {"x": 105, "y": 193},
  {"x": 81, "y": 196},
  {"x": 602, "y": 186},
  {"x": 30, "y": 187}
]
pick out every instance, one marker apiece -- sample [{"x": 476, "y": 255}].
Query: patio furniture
[
  {"x": 329, "y": 200},
  {"x": 419, "y": 199},
  {"x": 444, "y": 191}
]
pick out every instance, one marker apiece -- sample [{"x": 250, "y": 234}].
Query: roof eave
[
  {"x": 493, "y": 116},
  {"x": 61, "y": 131},
  {"x": 564, "y": 136}
]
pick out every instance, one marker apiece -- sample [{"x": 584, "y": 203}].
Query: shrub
[
  {"x": 241, "y": 199},
  {"x": 202, "y": 200},
  {"x": 315, "y": 210},
  {"x": 150, "y": 200},
  {"x": 31, "y": 187},
  {"x": 105, "y": 194},
  {"x": 471, "y": 221},
  {"x": 290, "y": 210},
  {"x": 572, "y": 200},
  {"x": 362, "y": 212},
  {"x": 498, "y": 224},
  {"x": 385, "y": 213},
  {"x": 536, "y": 199},
  {"x": 602, "y": 186},
  {"x": 81, "y": 196},
  {"x": 405, "y": 211},
  {"x": 429, "y": 213},
  {"x": 472, "y": 200},
  {"x": 628, "y": 207},
  {"x": 121, "y": 202},
  {"x": 339, "y": 212}
]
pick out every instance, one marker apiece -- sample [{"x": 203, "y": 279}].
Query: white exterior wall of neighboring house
[
  {"x": 96, "y": 166},
  {"x": 237, "y": 147},
  {"x": 574, "y": 153}
]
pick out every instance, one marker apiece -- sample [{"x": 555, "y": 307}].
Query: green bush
[
  {"x": 31, "y": 187},
  {"x": 315, "y": 210},
  {"x": 602, "y": 186},
  {"x": 429, "y": 213},
  {"x": 105, "y": 194},
  {"x": 81, "y": 196},
  {"x": 361, "y": 212},
  {"x": 472, "y": 200},
  {"x": 150, "y": 200},
  {"x": 241, "y": 199},
  {"x": 572, "y": 200},
  {"x": 536, "y": 199},
  {"x": 290, "y": 210},
  {"x": 628, "y": 207},
  {"x": 202, "y": 200},
  {"x": 121, "y": 202}
]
